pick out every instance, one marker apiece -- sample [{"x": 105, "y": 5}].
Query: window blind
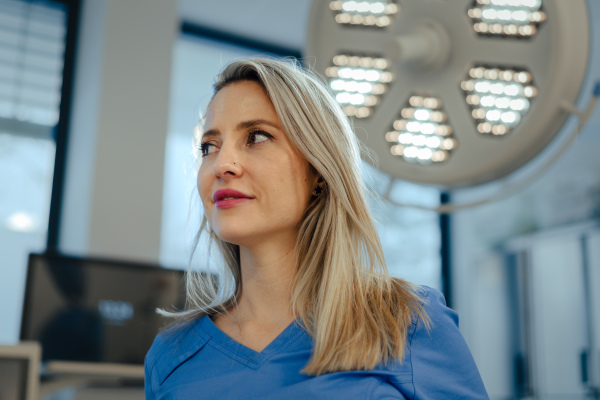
[{"x": 32, "y": 44}]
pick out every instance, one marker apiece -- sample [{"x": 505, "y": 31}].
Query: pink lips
[{"x": 227, "y": 198}]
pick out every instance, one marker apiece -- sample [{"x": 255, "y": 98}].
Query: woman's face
[{"x": 253, "y": 184}]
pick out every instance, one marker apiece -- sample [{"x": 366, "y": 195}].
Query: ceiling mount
[{"x": 427, "y": 47}]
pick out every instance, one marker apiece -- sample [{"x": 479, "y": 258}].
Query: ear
[
  {"x": 314, "y": 178},
  {"x": 317, "y": 180}
]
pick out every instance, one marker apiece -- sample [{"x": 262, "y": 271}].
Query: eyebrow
[{"x": 244, "y": 125}]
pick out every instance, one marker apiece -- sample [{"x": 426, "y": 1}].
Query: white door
[{"x": 558, "y": 318}]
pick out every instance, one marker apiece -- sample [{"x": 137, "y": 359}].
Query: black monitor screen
[{"x": 96, "y": 310}]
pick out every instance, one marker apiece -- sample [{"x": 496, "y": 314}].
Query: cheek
[
  {"x": 203, "y": 185},
  {"x": 295, "y": 182}
]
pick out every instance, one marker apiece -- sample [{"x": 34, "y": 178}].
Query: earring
[{"x": 319, "y": 188}]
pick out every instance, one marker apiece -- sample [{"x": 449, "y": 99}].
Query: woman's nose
[{"x": 227, "y": 162}]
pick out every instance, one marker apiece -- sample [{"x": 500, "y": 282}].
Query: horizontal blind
[{"x": 32, "y": 44}]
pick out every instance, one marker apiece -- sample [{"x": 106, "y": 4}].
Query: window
[{"x": 32, "y": 53}]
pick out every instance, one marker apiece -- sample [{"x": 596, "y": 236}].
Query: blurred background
[{"x": 98, "y": 103}]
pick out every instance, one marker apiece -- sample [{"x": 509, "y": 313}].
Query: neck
[{"x": 267, "y": 271}]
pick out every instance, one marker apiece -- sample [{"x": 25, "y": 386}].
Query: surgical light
[{"x": 501, "y": 98}]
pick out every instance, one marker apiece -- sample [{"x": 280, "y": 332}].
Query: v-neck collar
[{"x": 245, "y": 355}]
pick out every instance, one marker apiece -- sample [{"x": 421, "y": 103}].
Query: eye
[
  {"x": 258, "y": 136},
  {"x": 206, "y": 148}
]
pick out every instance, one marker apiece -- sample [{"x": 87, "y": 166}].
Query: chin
[{"x": 232, "y": 235}]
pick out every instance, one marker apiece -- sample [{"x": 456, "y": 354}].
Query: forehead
[{"x": 240, "y": 101}]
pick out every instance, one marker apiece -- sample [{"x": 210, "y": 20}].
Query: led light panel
[
  {"x": 422, "y": 133},
  {"x": 371, "y": 13},
  {"x": 359, "y": 82},
  {"x": 499, "y": 98},
  {"x": 507, "y": 18}
]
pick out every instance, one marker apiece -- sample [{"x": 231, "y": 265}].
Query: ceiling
[{"x": 278, "y": 22}]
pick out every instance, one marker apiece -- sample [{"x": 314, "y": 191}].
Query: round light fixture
[{"x": 452, "y": 93}]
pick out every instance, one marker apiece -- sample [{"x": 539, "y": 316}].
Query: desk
[{"x": 92, "y": 380}]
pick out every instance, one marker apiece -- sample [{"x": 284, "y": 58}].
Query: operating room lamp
[{"x": 454, "y": 93}]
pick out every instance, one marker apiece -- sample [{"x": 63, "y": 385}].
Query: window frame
[{"x": 61, "y": 132}]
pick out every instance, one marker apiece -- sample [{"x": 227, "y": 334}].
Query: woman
[{"x": 305, "y": 308}]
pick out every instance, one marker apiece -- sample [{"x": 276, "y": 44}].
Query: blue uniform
[{"x": 202, "y": 362}]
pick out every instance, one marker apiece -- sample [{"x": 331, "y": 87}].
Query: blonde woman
[{"x": 305, "y": 308}]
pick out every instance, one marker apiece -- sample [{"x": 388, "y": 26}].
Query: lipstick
[{"x": 228, "y": 198}]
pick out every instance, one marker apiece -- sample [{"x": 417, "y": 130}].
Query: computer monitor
[
  {"x": 95, "y": 310},
  {"x": 19, "y": 371}
]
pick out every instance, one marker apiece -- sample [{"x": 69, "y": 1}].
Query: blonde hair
[{"x": 356, "y": 313}]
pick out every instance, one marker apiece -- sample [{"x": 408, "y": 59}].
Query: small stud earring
[{"x": 317, "y": 190}]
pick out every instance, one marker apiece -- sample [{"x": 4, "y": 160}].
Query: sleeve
[
  {"x": 148, "y": 381},
  {"x": 442, "y": 364}
]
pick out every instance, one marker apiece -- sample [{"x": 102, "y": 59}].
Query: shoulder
[
  {"x": 441, "y": 351},
  {"x": 437, "y": 322},
  {"x": 439, "y": 317},
  {"x": 172, "y": 348},
  {"x": 437, "y": 358},
  {"x": 439, "y": 331}
]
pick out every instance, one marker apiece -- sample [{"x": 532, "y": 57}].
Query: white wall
[{"x": 113, "y": 192}]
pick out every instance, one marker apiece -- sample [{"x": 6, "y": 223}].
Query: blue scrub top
[{"x": 201, "y": 362}]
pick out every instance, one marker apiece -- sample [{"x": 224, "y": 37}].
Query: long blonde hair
[{"x": 356, "y": 313}]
